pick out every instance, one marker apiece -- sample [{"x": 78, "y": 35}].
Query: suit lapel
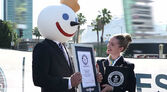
[
  {"x": 106, "y": 63},
  {"x": 55, "y": 46},
  {"x": 59, "y": 51},
  {"x": 70, "y": 61},
  {"x": 119, "y": 62}
]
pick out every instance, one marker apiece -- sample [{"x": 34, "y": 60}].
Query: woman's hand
[
  {"x": 107, "y": 88},
  {"x": 99, "y": 77}
]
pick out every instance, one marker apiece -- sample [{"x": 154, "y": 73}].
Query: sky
[
  {"x": 159, "y": 11},
  {"x": 90, "y": 9}
]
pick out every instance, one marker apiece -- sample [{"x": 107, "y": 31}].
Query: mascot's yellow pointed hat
[{"x": 73, "y": 4}]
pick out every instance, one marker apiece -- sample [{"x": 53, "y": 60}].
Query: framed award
[
  {"x": 116, "y": 76},
  {"x": 84, "y": 62}
]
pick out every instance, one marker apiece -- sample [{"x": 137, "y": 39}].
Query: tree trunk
[
  {"x": 77, "y": 40},
  {"x": 38, "y": 38},
  {"x": 98, "y": 50},
  {"x": 74, "y": 38},
  {"x": 102, "y": 34},
  {"x": 101, "y": 40}
]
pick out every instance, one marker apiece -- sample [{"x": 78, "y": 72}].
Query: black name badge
[{"x": 116, "y": 76}]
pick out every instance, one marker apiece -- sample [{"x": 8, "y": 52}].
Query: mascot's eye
[
  {"x": 65, "y": 16},
  {"x": 76, "y": 19}
]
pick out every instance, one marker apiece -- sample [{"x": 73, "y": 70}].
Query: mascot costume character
[{"x": 52, "y": 67}]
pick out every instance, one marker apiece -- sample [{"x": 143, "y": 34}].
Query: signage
[{"x": 151, "y": 74}]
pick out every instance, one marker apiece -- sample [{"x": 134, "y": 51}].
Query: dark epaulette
[
  {"x": 102, "y": 65},
  {"x": 101, "y": 60},
  {"x": 129, "y": 64}
]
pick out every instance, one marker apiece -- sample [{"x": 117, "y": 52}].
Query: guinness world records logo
[
  {"x": 115, "y": 78},
  {"x": 84, "y": 59},
  {"x": 3, "y": 83}
]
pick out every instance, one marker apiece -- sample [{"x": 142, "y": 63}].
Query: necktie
[
  {"x": 61, "y": 47},
  {"x": 65, "y": 53}
]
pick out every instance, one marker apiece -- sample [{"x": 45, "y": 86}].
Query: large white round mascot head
[{"x": 59, "y": 22}]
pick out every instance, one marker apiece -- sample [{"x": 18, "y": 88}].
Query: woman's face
[{"x": 113, "y": 47}]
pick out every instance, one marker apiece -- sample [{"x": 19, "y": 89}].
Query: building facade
[
  {"x": 20, "y": 12},
  {"x": 138, "y": 18}
]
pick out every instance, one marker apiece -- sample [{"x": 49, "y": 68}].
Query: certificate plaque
[
  {"x": 84, "y": 62},
  {"x": 116, "y": 76}
]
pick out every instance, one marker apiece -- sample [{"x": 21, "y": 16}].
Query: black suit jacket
[
  {"x": 131, "y": 85},
  {"x": 50, "y": 68}
]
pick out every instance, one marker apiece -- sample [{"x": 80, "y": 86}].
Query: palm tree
[
  {"x": 82, "y": 20},
  {"x": 95, "y": 24},
  {"x": 7, "y": 34},
  {"x": 36, "y": 33},
  {"x": 104, "y": 18}
]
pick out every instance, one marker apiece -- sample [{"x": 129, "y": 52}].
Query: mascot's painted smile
[{"x": 62, "y": 31}]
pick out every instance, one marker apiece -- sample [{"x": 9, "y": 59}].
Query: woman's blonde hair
[{"x": 123, "y": 40}]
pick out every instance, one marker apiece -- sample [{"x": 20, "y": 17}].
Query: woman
[{"x": 116, "y": 45}]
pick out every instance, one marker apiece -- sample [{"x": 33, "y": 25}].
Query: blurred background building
[
  {"x": 139, "y": 19},
  {"x": 19, "y": 12}
]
